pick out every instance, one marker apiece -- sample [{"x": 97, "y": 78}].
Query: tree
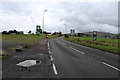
[
  {"x": 29, "y": 32},
  {"x": 66, "y": 35},
  {"x": 15, "y": 31},
  {"x": 4, "y": 32},
  {"x": 107, "y": 36},
  {"x": 11, "y": 32}
]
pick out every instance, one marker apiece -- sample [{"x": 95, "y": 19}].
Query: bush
[{"x": 66, "y": 35}]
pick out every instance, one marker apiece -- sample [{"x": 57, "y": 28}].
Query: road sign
[
  {"x": 38, "y": 30},
  {"x": 94, "y": 35},
  {"x": 72, "y": 31}
]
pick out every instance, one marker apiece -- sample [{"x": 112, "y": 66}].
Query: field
[
  {"x": 24, "y": 38},
  {"x": 10, "y": 42},
  {"x": 110, "y": 45}
]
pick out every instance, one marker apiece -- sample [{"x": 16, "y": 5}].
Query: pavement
[{"x": 61, "y": 59}]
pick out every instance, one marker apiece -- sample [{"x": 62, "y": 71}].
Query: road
[
  {"x": 60, "y": 59},
  {"x": 70, "y": 60}
]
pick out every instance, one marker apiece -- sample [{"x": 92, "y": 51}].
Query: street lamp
[{"x": 43, "y": 18}]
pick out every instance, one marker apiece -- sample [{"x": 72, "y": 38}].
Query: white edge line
[
  {"x": 111, "y": 66},
  {"x": 77, "y": 50},
  {"x": 54, "y": 68}
]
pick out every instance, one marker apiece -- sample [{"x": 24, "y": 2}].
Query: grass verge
[
  {"x": 3, "y": 54},
  {"x": 110, "y": 45},
  {"x": 26, "y": 38}
]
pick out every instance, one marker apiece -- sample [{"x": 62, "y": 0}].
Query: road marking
[
  {"x": 51, "y": 58},
  {"x": 111, "y": 66},
  {"x": 50, "y": 52},
  {"x": 91, "y": 57},
  {"x": 77, "y": 50},
  {"x": 54, "y": 69},
  {"x": 48, "y": 45}
]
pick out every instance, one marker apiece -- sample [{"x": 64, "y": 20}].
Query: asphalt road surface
[
  {"x": 72, "y": 60},
  {"x": 60, "y": 59},
  {"x": 37, "y": 52}
]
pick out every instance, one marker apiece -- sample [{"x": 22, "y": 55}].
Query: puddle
[{"x": 27, "y": 63}]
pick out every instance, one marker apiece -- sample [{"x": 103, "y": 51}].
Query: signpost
[
  {"x": 72, "y": 31},
  {"x": 94, "y": 35},
  {"x": 38, "y": 30}
]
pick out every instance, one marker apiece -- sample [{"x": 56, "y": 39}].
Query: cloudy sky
[{"x": 83, "y": 16}]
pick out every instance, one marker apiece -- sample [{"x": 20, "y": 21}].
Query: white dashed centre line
[
  {"x": 111, "y": 66},
  {"x": 77, "y": 50},
  {"x": 48, "y": 45},
  {"x": 54, "y": 68},
  {"x": 50, "y": 52},
  {"x": 51, "y": 58}
]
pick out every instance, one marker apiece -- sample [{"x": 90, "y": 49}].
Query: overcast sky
[{"x": 60, "y": 16}]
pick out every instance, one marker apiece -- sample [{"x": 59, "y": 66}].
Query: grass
[
  {"x": 4, "y": 54},
  {"x": 110, "y": 45},
  {"x": 21, "y": 38},
  {"x": 24, "y": 38}
]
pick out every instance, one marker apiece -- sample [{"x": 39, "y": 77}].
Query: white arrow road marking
[{"x": 111, "y": 66}]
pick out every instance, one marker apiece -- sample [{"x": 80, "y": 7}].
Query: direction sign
[
  {"x": 38, "y": 30},
  {"x": 94, "y": 35}
]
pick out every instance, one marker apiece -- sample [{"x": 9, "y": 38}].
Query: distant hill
[{"x": 102, "y": 34}]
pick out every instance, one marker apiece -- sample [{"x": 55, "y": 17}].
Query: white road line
[
  {"x": 51, "y": 58},
  {"x": 71, "y": 48},
  {"x": 49, "y": 52},
  {"x": 77, "y": 50},
  {"x": 54, "y": 69},
  {"x": 111, "y": 66},
  {"x": 48, "y": 45}
]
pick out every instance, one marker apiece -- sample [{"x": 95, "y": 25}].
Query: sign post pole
[
  {"x": 94, "y": 35},
  {"x": 38, "y": 31}
]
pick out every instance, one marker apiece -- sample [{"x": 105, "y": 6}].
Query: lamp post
[{"x": 43, "y": 18}]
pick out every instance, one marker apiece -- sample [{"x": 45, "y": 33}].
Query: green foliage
[
  {"x": 101, "y": 43},
  {"x": 26, "y": 38},
  {"x": 66, "y": 35},
  {"x": 4, "y": 55},
  {"x": 22, "y": 38}
]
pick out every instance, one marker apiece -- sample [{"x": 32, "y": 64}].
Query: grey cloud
[
  {"x": 83, "y": 14},
  {"x": 16, "y": 8}
]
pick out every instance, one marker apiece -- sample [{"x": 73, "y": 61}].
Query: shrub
[{"x": 66, "y": 35}]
